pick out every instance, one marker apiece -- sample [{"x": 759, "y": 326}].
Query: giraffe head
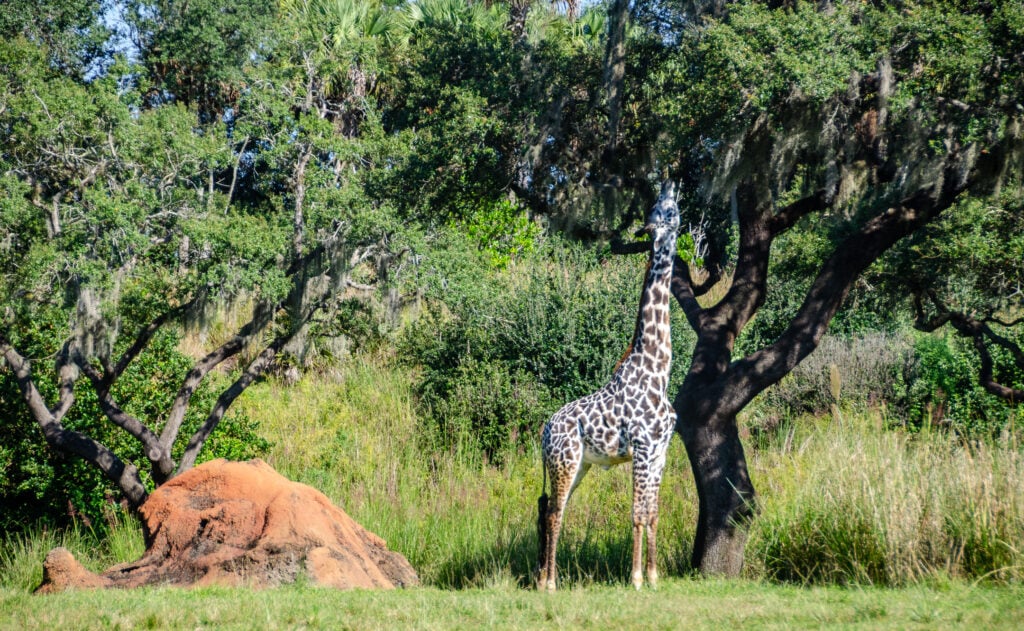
[{"x": 663, "y": 219}]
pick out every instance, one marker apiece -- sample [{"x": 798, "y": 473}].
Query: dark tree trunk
[{"x": 727, "y": 501}]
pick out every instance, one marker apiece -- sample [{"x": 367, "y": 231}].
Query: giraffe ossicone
[{"x": 630, "y": 418}]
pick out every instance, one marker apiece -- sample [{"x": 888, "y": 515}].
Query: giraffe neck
[{"x": 652, "y": 342}]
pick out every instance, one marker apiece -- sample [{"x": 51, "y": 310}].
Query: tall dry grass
[
  {"x": 858, "y": 504},
  {"x": 844, "y": 500}
]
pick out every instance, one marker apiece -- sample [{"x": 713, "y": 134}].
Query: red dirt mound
[{"x": 242, "y": 523}]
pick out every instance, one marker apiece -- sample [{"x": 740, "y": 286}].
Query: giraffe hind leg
[
  {"x": 542, "y": 538},
  {"x": 564, "y": 481}
]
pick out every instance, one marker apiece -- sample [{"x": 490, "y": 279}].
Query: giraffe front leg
[
  {"x": 647, "y": 470},
  {"x": 652, "y": 551},
  {"x": 640, "y": 508},
  {"x": 638, "y": 538},
  {"x": 651, "y": 500}
]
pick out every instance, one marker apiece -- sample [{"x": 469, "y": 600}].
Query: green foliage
[
  {"x": 972, "y": 258},
  {"x": 458, "y": 113},
  {"x": 503, "y": 231},
  {"x": 797, "y": 257},
  {"x": 508, "y": 347},
  {"x": 196, "y": 51},
  {"x": 921, "y": 382},
  {"x": 67, "y": 31},
  {"x": 486, "y": 405},
  {"x": 943, "y": 390}
]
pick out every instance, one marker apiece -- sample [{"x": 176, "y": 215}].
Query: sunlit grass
[
  {"x": 844, "y": 500},
  {"x": 853, "y": 503},
  {"x": 461, "y": 521},
  {"x": 22, "y": 554},
  {"x": 679, "y": 603}
]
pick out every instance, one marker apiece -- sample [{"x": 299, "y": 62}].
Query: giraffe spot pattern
[{"x": 630, "y": 418}]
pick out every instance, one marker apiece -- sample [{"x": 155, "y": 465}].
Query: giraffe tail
[{"x": 542, "y": 522}]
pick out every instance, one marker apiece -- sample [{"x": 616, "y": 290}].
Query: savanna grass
[
  {"x": 851, "y": 503},
  {"x": 843, "y": 499},
  {"x": 461, "y": 521}
]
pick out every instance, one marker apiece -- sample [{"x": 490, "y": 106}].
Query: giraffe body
[{"x": 630, "y": 418}]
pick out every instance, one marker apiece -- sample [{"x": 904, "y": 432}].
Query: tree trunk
[
  {"x": 727, "y": 501},
  {"x": 615, "y": 67},
  {"x": 706, "y": 422}
]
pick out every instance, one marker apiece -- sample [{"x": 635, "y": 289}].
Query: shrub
[
  {"x": 922, "y": 381},
  {"x": 867, "y": 370},
  {"x": 943, "y": 389}
]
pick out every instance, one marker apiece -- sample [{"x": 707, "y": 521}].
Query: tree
[
  {"x": 865, "y": 124},
  {"x": 195, "y": 51},
  {"x": 122, "y": 223},
  {"x": 69, "y": 30}
]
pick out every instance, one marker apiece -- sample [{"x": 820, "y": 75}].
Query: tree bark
[
  {"x": 726, "y": 496},
  {"x": 615, "y": 67}
]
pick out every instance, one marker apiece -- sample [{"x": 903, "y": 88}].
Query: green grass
[
  {"x": 680, "y": 603},
  {"x": 861, "y": 527},
  {"x": 843, "y": 501}
]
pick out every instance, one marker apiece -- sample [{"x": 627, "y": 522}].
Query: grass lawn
[{"x": 678, "y": 604}]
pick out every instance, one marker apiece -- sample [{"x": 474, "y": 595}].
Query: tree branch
[
  {"x": 979, "y": 331},
  {"x": 750, "y": 280},
  {"x": 619, "y": 247},
  {"x": 683, "y": 289},
  {"x": 224, "y": 401},
  {"x": 67, "y": 374},
  {"x": 142, "y": 341},
  {"x": 125, "y": 475},
  {"x": 261, "y": 318},
  {"x": 923, "y": 322},
  {"x": 760, "y": 369},
  {"x": 136, "y": 428},
  {"x": 787, "y": 217}
]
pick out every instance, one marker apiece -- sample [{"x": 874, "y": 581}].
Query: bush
[
  {"x": 868, "y": 370},
  {"x": 943, "y": 389},
  {"x": 922, "y": 381}
]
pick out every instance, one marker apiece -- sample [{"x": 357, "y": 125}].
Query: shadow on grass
[{"x": 584, "y": 559}]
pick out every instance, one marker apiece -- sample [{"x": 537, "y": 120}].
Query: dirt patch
[{"x": 242, "y": 523}]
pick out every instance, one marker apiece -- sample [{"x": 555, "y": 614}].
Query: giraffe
[{"x": 630, "y": 418}]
